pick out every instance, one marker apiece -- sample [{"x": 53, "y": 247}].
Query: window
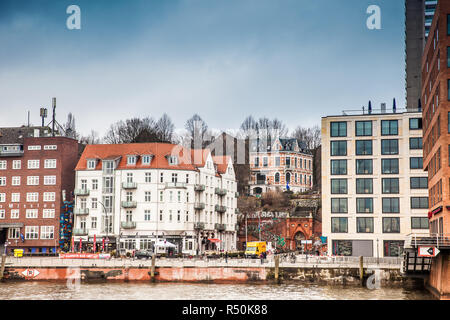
[
  {"x": 161, "y": 177},
  {"x": 49, "y": 196},
  {"x": 419, "y": 223},
  {"x": 129, "y": 196},
  {"x": 31, "y": 232},
  {"x": 415, "y": 143},
  {"x": 31, "y": 213},
  {"x": 338, "y": 129},
  {"x": 33, "y": 180},
  {"x": 146, "y": 160},
  {"x": 389, "y": 127},
  {"x": 416, "y": 163},
  {"x": 390, "y": 185},
  {"x": 129, "y": 177},
  {"x": 94, "y": 222},
  {"x": 94, "y": 184},
  {"x": 34, "y": 148},
  {"x": 148, "y": 196},
  {"x": 393, "y": 248},
  {"x": 108, "y": 184},
  {"x": 339, "y": 225},
  {"x": 15, "y": 214},
  {"x": 2, "y": 164},
  {"x": 415, "y": 123},
  {"x": 265, "y": 162},
  {"x": 363, "y": 128},
  {"x": 338, "y": 148},
  {"x": 15, "y": 181},
  {"x": 173, "y": 160},
  {"x": 94, "y": 203},
  {"x": 391, "y": 225},
  {"x": 47, "y": 232},
  {"x": 15, "y": 197},
  {"x": 338, "y": 167},
  {"x": 161, "y": 196},
  {"x": 131, "y": 160},
  {"x": 364, "y": 186},
  {"x": 50, "y": 164},
  {"x": 32, "y": 197},
  {"x": 148, "y": 177},
  {"x": 2, "y": 197},
  {"x": 338, "y": 186},
  {"x": 277, "y": 161},
  {"x": 339, "y": 205},
  {"x": 389, "y": 146},
  {"x": 364, "y": 205},
  {"x": 391, "y": 205},
  {"x": 2, "y": 213},
  {"x": 419, "y": 182},
  {"x": 16, "y": 164},
  {"x": 33, "y": 164},
  {"x": 14, "y": 233},
  {"x": 48, "y": 213},
  {"x": 419, "y": 202},
  {"x": 91, "y": 164},
  {"x": 174, "y": 177},
  {"x": 448, "y": 24},
  {"x": 363, "y": 147},
  {"x": 389, "y": 166},
  {"x": 2, "y": 181},
  {"x": 50, "y": 147},
  {"x": 277, "y": 177},
  {"x": 364, "y": 166},
  {"x": 49, "y": 180},
  {"x": 364, "y": 225}
]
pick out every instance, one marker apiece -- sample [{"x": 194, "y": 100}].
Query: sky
[{"x": 296, "y": 60}]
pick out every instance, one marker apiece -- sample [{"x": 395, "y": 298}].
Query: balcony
[
  {"x": 220, "y": 209},
  {"x": 199, "y": 187},
  {"x": 81, "y": 192},
  {"x": 81, "y": 211},
  {"x": 219, "y": 227},
  {"x": 129, "y": 185},
  {"x": 129, "y": 204},
  {"x": 289, "y": 167},
  {"x": 176, "y": 185},
  {"x": 199, "y": 225},
  {"x": 199, "y": 206},
  {"x": 80, "y": 232},
  {"x": 128, "y": 224},
  {"x": 220, "y": 191},
  {"x": 14, "y": 153}
]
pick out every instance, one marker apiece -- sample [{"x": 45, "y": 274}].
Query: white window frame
[
  {"x": 33, "y": 164},
  {"x": 31, "y": 213},
  {"x": 15, "y": 213},
  {"x": 15, "y": 197},
  {"x": 50, "y": 147},
  {"x": 49, "y": 180},
  {"x": 32, "y": 196},
  {"x": 15, "y": 181},
  {"x": 2, "y": 181},
  {"x": 48, "y": 213},
  {"x": 49, "y": 197},
  {"x": 3, "y": 164},
  {"x": 32, "y": 180},
  {"x": 31, "y": 232},
  {"x": 47, "y": 232},
  {"x": 50, "y": 164},
  {"x": 17, "y": 164}
]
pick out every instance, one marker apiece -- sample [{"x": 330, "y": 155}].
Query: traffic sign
[{"x": 428, "y": 252}]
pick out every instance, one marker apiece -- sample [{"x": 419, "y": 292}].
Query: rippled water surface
[{"x": 170, "y": 291}]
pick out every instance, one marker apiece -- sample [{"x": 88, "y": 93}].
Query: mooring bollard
[
  {"x": 277, "y": 268},
  {"x": 152, "y": 271},
  {"x": 361, "y": 270},
  {"x": 2, "y": 268}
]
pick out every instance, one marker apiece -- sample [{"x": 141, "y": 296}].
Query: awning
[
  {"x": 214, "y": 240},
  {"x": 11, "y": 225},
  {"x": 165, "y": 244}
]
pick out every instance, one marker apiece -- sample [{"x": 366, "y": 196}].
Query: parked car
[{"x": 143, "y": 254}]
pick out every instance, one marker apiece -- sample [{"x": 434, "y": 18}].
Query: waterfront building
[
  {"x": 374, "y": 189},
  {"x": 136, "y": 194},
  {"x": 284, "y": 164},
  {"x": 418, "y": 17},
  {"x": 36, "y": 177}
]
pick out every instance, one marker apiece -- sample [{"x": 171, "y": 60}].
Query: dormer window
[
  {"x": 131, "y": 160},
  {"x": 91, "y": 164},
  {"x": 146, "y": 159},
  {"x": 173, "y": 160}
]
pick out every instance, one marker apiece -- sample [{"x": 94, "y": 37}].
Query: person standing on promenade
[{"x": 226, "y": 256}]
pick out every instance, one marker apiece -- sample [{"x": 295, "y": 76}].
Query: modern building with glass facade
[{"x": 374, "y": 190}]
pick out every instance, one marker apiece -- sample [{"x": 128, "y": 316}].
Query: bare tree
[
  {"x": 311, "y": 136},
  {"x": 69, "y": 127},
  {"x": 197, "y": 131},
  {"x": 248, "y": 127},
  {"x": 165, "y": 128},
  {"x": 133, "y": 130},
  {"x": 91, "y": 138}
]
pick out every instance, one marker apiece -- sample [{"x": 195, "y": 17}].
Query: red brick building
[{"x": 36, "y": 176}]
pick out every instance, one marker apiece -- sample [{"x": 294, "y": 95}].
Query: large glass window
[
  {"x": 415, "y": 123},
  {"x": 338, "y": 129},
  {"x": 415, "y": 143},
  {"x": 390, "y": 185},
  {"x": 339, "y": 186},
  {"x": 391, "y": 225},
  {"x": 391, "y": 205},
  {"x": 364, "y": 225},
  {"x": 338, "y": 148},
  {"x": 419, "y": 202},
  {"x": 339, "y": 225},
  {"x": 389, "y": 146},
  {"x": 364, "y": 205},
  {"x": 419, "y": 223},
  {"x": 389, "y": 127},
  {"x": 363, "y": 147},
  {"x": 338, "y": 167},
  {"x": 416, "y": 163},
  {"x": 363, "y": 128},
  {"x": 364, "y": 186},
  {"x": 339, "y": 205},
  {"x": 448, "y": 89},
  {"x": 389, "y": 166},
  {"x": 393, "y": 248},
  {"x": 419, "y": 183},
  {"x": 364, "y": 166},
  {"x": 342, "y": 247}
]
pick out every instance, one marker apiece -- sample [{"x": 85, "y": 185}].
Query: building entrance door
[{"x": 299, "y": 236}]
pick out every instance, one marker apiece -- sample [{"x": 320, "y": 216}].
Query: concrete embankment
[{"x": 327, "y": 272}]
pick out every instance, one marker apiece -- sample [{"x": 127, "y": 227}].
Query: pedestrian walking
[{"x": 226, "y": 257}]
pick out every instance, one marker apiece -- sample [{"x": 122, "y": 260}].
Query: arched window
[
  {"x": 288, "y": 178},
  {"x": 277, "y": 177}
]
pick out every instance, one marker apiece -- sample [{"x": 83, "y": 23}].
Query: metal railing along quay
[{"x": 438, "y": 240}]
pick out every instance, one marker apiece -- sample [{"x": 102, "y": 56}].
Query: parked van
[{"x": 255, "y": 249}]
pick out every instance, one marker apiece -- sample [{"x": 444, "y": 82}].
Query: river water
[{"x": 187, "y": 291}]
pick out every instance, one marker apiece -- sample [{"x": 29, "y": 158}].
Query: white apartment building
[
  {"x": 374, "y": 190},
  {"x": 137, "y": 194}
]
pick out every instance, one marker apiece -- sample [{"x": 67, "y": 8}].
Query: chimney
[{"x": 383, "y": 107}]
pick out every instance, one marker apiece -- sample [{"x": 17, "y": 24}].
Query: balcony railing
[
  {"x": 129, "y": 185},
  {"x": 220, "y": 191},
  {"x": 199, "y": 206},
  {"x": 81, "y": 192},
  {"x": 128, "y": 224},
  {"x": 80, "y": 232},
  {"x": 220, "y": 209},
  {"x": 437, "y": 240},
  {"x": 14, "y": 153},
  {"x": 81, "y": 211},
  {"x": 219, "y": 226},
  {"x": 199, "y": 225},
  {"x": 175, "y": 185},
  {"x": 129, "y": 204},
  {"x": 199, "y": 187}
]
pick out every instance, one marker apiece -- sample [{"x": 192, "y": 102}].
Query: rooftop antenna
[
  {"x": 28, "y": 118},
  {"x": 54, "y": 115},
  {"x": 43, "y": 115},
  {"x": 394, "y": 106},
  {"x": 370, "y": 107}
]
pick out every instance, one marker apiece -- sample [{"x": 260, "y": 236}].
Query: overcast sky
[{"x": 297, "y": 60}]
